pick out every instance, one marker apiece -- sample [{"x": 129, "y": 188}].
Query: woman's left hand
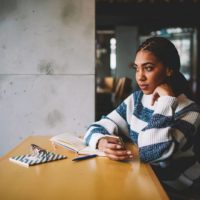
[
  {"x": 161, "y": 90},
  {"x": 113, "y": 149}
]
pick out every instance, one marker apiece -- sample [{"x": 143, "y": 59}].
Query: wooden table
[{"x": 93, "y": 179}]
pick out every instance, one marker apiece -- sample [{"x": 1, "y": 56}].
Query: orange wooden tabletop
[{"x": 98, "y": 178}]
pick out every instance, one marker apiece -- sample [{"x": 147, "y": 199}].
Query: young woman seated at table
[{"x": 161, "y": 118}]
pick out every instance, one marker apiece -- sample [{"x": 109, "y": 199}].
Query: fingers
[
  {"x": 105, "y": 143},
  {"x": 161, "y": 90},
  {"x": 114, "y": 149},
  {"x": 118, "y": 154},
  {"x": 119, "y": 158},
  {"x": 154, "y": 98},
  {"x": 113, "y": 139},
  {"x": 114, "y": 146}
]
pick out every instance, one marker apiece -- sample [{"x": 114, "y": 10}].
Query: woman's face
[{"x": 150, "y": 72}]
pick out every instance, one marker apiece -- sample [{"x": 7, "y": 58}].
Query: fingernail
[
  {"x": 131, "y": 156},
  {"x": 119, "y": 146},
  {"x": 129, "y": 152}
]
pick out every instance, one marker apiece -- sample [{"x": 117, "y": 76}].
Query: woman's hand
[
  {"x": 114, "y": 149},
  {"x": 161, "y": 90}
]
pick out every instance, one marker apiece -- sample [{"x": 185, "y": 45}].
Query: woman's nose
[{"x": 141, "y": 75}]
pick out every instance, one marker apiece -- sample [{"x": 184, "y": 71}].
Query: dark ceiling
[
  {"x": 147, "y": 14},
  {"x": 148, "y": 1}
]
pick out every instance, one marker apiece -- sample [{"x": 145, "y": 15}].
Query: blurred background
[{"x": 121, "y": 25}]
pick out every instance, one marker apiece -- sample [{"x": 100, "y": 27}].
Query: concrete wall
[{"x": 47, "y": 71}]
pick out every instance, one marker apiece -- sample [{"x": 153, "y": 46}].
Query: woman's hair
[{"x": 165, "y": 51}]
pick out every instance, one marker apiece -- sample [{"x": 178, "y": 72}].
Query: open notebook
[{"x": 75, "y": 144}]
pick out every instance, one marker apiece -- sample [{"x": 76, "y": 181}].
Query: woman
[{"x": 161, "y": 119}]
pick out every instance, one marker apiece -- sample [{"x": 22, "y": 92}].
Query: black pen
[{"x": 84, "y": 157}]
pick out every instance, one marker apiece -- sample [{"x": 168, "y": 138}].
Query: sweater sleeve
[
  {"x": 115, "y": 123},
  {"x": 157, "y": 140}
]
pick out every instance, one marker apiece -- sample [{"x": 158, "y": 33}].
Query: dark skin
[
  {"x": 150, "y": 76},
  {"x": 114, "y": 149}
]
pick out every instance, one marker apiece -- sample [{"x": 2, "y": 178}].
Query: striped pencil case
[{"x": 31, "y": 159}]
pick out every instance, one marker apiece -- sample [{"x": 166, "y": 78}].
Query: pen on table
[{"x": 84, "y": 157}]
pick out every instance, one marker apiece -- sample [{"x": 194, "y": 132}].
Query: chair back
[{"x": 123, "y": 89}]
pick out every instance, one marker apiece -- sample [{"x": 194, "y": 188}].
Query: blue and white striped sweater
[{"x": 162, "y": 132}]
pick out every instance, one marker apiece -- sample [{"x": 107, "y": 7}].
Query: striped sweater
[{"x": 165, "y": 134}]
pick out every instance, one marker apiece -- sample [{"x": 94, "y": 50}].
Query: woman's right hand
[
  {"x": 161, "y": 90},
  {"x": 114, "y": 149}
]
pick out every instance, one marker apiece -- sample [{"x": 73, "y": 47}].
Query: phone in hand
[{"x": 121, "y": 142}]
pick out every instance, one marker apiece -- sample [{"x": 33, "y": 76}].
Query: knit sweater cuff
[
  {"x": 94, "y": 140},
  {"x": 166, "y": 105}
]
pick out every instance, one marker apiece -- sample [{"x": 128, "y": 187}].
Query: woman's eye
[
  {"x": 135, "y": 68},
  {"x": 149, "y": 68}
]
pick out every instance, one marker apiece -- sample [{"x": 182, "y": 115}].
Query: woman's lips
[{"x": 143, "y": 87}]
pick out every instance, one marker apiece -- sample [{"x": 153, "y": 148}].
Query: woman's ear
[{"x": 169, "y": 72}]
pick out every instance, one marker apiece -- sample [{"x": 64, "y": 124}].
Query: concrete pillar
[{"x": 47, "y": 68}]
